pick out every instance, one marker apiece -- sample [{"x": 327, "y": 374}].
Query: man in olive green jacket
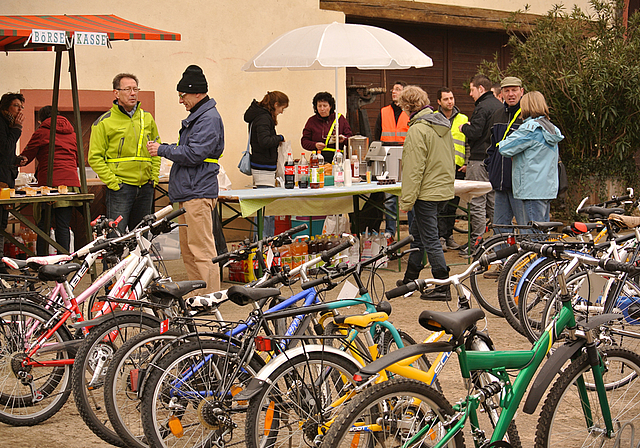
[{"x": 428, "y": 172}]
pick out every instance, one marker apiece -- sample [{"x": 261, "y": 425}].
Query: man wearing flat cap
[
  {"x": 504, "y": 122},
  {"x": 193, "y": 180}
]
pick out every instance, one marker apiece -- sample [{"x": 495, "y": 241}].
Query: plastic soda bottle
[
  {"x": 355, "y": 166},
  {"x": 338, "y": 169},
  {"x": 321, "y": 169},
  {"x": 314, "y": 171},
  {"x": 303, "y": 172},
  {"x": 289, "y": 172}
]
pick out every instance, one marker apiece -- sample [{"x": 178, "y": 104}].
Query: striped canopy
[{"x": 15, "y": 30}]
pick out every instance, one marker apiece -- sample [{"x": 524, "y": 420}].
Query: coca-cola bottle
[
  {"x": 303, "y": 172},
  {"x": 314, "y": 171},
  {"x": 289, "y": 172}
]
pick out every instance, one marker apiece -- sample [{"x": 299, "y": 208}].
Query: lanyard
[
  {"x": 517, "y": 114},
  {"x": 326, "y": 142}
]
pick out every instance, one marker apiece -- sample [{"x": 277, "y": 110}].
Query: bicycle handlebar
[
  {"x": 328, "y": 254},
  {"x": 619, "y": 266},
  {"x": 552, "y": 250},
  {"x": 486, "y": 259}
]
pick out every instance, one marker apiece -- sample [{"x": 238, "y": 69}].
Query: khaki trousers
[{"x": 197, "y": 244}]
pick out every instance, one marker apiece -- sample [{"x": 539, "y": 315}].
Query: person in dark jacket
[
  {"x": 193, "y": 181},
  {"x": 506, "y": 120},
  {"x": 477, "y": 133},
  {"x": 319, "y": 131},
  {"x": 65, "y": 172},
  {"x": 11, "y": 119},
  {"x": 262, "y": 118}
]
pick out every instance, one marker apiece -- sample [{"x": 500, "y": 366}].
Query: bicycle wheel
[
  {"x": 562, "y": 420},
  {"x": 398, "y": 412},
  {"x": 485, "y": 289},
  {"x": 21, "y": 325},
  {"x": 536, "y": 291},
  {"x": 129, "y": 363},
  {"x": 590, "y": 293},
  {"x": 187, "y": 399},
  {"x": 90, "y": 367},
  {"x": 513, "y": 274},
  {"x": 491, "y": 405},
  {"x": 299, "y": 400}
]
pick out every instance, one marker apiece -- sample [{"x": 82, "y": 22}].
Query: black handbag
[{"x": 563, "y": 180}]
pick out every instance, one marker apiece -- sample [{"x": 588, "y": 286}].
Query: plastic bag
[
  {"x": 336, "y": 225},
  {"x": 245, "y": 163}
]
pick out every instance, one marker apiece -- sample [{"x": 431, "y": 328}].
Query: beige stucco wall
[{"x": 218, "y": 35}]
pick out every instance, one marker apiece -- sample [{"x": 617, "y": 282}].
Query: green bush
[{"x": 587, "y": 65}]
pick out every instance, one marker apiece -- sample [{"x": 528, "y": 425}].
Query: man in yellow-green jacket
[{"x": 118, "y": 154}]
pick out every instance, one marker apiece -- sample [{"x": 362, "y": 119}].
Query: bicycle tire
[
  {"x": 120, "y": 395},
  {"x": 512, "y": 274},
  {"x": 196, "y": 413},
  {"x": 17, "y": 407},
  {"x": 487, "y": 295},
  {"x": 401, "y": 400},
  {"x": 294, "y": 405},
  {"x": 558, "y": 424},
  {"x": 536, "y": 291},
  {"x": 89, "y": 401}
]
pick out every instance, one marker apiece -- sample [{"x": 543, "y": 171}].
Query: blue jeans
[
  {"x": 131, "y": 202},
  {"x": 390, "y": 216},
  {"x": 506, "y": 208},
  {"x": 268, "y": 222},
  {"x": 537, "y": 209},
  {"x": 424, "y": 230}
]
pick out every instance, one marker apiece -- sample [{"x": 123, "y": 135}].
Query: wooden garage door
[{"x": 456, "y": 54}]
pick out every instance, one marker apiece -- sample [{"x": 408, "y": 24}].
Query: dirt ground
[{"x": 66, "y": 428}]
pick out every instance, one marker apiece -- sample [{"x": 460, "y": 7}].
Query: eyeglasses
[
  {"x": 130, "y": 89},
  {"x": 182, "y": 95}
]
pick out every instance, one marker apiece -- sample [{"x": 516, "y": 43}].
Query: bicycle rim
[
  {"x": 21, "y": 324},
  {"x": 399, "y": 412}
]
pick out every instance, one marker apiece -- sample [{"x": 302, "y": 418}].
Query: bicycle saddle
[
  {"x": 241, "y": 295},
  {"x": 453, "y": 323},
  {"x": 57, "y": 272},
  {"x": 600, "y": 212},
  {"x": 544, "y": 226},
  {"x": 168, "y": 291}
]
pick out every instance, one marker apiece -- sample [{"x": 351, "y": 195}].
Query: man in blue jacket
[{"x": 193, "y": 180}]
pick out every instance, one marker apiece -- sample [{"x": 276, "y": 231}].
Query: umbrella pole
[{"x": 337, "y": 116}]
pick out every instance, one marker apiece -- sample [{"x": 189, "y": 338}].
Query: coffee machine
[{"x": 376, "y": 159}]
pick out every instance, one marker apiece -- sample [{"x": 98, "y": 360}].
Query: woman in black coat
[{"x": 263, "y": 118}]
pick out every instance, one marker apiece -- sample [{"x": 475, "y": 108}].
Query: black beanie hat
[{"x": 193, "y": 81}]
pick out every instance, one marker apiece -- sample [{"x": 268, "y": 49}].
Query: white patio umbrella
[{"x": 338, "y": 45}]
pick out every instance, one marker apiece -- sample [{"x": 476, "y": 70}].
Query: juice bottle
[
  {"x": 321, "y": 169},
  {"x": 298, "y": 251},
  {"x": 314, "y": 172},
  {"x": 285, "y": 255}
]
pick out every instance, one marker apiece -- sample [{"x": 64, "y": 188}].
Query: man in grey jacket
[{"x": 193, "y": 180}]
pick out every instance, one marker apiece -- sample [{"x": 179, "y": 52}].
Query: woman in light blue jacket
[{"x": 534, "y": 151}]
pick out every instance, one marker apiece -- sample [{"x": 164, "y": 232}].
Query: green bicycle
[{"x": 593, "y": 402}]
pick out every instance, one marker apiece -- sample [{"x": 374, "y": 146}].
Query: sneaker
[
  {"x": 451, "y": 243},
  {"x": 402, "y": 282},
  {"x": 438, "y": 294},
  {"x": 443, "y": 243},
  {"x": 493, "y": 272},
  {"x": 464, "y": 252}
]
